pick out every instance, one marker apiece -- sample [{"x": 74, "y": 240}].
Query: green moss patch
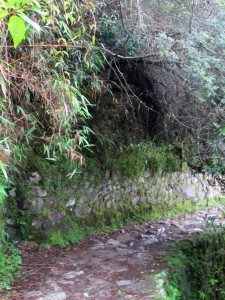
[
  {"x": 72, "y": 229},
  {"x": 132, "y": 160},
  {"x": 198, "y": 268}
]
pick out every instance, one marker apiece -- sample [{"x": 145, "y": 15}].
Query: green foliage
[
  {"x": 2, "y": 205},
  {"x": 3, "y": 257},
  {"x": 48, "y": 69},
  {"x": 106, "y": 220},
  {"x": 2, "y": 191},
  {"x": 17, "y": 29},
  {"x": 57, "y": 72},
  {"x": 101, "y": 219},
  {"x": 198, "y": 269},
  {"x": 4, "y": 172},
  {"x": 185, "y": 66},
  {"x": 10, "y": 264},
  {"x": 48, "y": 61},
  {"x": 132, "y": 160},
  {"x": 24, "y": 222},
  {"x": 16, "y": 23},
  {"x": 10, "y": 259},
  {"x": 111, "y": 34}
]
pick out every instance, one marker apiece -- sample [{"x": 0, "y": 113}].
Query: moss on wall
[
  {"x": 132, "y": 160},
  {"x": 138, "y": 185}
]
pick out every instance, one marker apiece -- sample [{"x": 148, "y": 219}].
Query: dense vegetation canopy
[
  {"x": 165, "y": 57},
  {"x": 82, "y": 79}
]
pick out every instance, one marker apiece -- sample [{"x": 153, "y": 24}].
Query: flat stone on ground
[{"x": 114, "y": 266}]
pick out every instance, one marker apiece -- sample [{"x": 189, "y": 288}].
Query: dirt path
[{"x": 112, "y": 266}]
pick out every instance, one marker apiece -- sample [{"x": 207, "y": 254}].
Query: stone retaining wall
[{"x": 49, "y": 201}]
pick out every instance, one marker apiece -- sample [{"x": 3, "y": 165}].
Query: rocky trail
[{"x": 119, "y": 265}]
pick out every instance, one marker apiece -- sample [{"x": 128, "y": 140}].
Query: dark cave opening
[
  {"x": 140, "y": 85},
  {"x": 131, "y": 112}
]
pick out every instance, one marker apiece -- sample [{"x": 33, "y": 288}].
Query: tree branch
[{"x": 129, "y": 57}]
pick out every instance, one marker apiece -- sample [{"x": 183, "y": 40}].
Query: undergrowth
[
  {"x": 10, "y": 264},
  {"x": 101, "y": 221},
  {"x": 10, "y": 258},
  {"x": 132, "y": 160},
  {"x": 198, "y": 268}
]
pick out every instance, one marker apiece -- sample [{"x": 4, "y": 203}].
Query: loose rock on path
[{"x": 112, "y": 266}]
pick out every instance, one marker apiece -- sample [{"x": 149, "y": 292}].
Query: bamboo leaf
[
  {"x": 17, "y": 29},
  {"x": 3, "y": 14},
  {"x": 31, "y": 22}
]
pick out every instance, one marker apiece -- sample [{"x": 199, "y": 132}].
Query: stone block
[
  {"x": 41, "y": 193},
  {"x": 36, "y": 205},
  {"x": 35, "y": 177},
  {"x": 79, "y": 211},
  {"x": 71, "y": 202},
  {"x": 190, "y": 191},
  {"x": 135, "y": 201}
]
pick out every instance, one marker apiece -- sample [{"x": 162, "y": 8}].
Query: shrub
[
  {"x": 198, "y": 269},
  {"x": 10, "y": 264},
  {"x": 132, "y": 160}
]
